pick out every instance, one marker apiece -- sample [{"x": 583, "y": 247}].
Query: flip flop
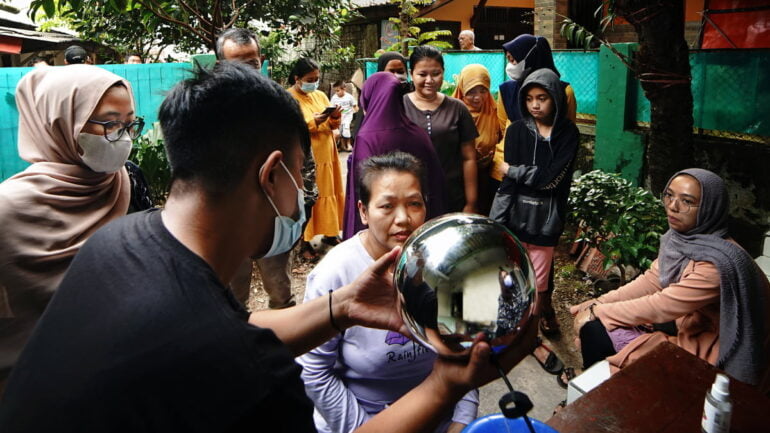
[
  {"x": 570, "y": 373},
  {"x": 549, "y": 326},
  {"x": 552, "y": 364}
]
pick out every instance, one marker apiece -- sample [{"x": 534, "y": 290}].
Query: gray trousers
[{"x": 276, "y": 281}]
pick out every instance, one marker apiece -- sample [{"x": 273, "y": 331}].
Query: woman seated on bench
[{"x": 702, "y": 280}]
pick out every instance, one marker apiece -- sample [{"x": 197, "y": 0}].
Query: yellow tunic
[{"x": 327, "y": 213}]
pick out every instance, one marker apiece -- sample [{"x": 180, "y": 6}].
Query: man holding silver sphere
[{"x": 143, "y": 333}]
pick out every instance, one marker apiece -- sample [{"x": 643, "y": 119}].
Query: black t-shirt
[
  {"x": 449, "y": 126},
  {"x": 141, "y": 336}
]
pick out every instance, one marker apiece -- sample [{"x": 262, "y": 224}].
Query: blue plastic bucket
[{"x": 497, "y": 422}]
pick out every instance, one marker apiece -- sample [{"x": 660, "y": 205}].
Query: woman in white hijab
[{"x": 75, "y": 128}]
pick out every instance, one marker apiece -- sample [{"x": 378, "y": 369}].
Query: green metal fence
[
  {"x": 731, "y": 88},
  {"x": 455, "y": 61},
  {"x": 149, "y": 82},
  {"x": 579, "y": 68},
  {"x": 731, "y": 93}
]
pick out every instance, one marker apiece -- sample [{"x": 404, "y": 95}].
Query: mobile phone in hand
[{"x": 329, "y": 110}]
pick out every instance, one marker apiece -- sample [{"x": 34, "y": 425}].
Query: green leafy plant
[
  {"x": 150, "y": 155},
  {"x": 409, "y": 32},
  {"x": 448, "y": 86},
  {"x": 623, "y": 221}
]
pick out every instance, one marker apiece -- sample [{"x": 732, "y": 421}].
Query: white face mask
[
  {"x": 516, "y": 71},
  {"x": 102, "y": 156},
  {"x": 401, "y": 77}
]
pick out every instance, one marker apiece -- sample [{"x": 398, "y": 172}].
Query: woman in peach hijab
[
  {"x": 473, "y": 89},
  {"x": 76, "y": 125}
]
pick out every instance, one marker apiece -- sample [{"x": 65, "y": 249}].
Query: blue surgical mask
[
  {"x": 309, "y": 87},
  {"x": 287, "y": 231}
]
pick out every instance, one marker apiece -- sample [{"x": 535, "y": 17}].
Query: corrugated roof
[
  {"x": 36, "y": 36},
  {"x": 370, "y": 3}
]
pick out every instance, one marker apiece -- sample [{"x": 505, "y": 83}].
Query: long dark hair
[
  {"x": 425, "y": 52},
  {"x": 302, "y": 67}
]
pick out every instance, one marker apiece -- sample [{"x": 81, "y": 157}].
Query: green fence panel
[
  {"x": 10, "y": 163},
  {"x": 455, "y": 61},
  {"x": 494, "y": 61},
  {"x": 730, "y": 90},
  {"x": 370, "y": 67},
  {"x": 150, "y": 82},
  {"x": 581, "y": 70}
]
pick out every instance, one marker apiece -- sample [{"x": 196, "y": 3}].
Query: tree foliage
[
  {"x": 662, "y": 67},
  {"x": 193, "y": 26},
  {"x": 409, "y": 31}
]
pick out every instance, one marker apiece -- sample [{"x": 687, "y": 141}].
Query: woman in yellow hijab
[{"x": 473, "y": 89}]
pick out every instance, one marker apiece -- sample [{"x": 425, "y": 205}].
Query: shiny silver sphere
[{"x": 462, "y": 277}]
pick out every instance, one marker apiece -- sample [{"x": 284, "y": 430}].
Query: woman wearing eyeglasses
[
  {"x": 76, "y": 125},
  {"x": 703, "y": 281}
]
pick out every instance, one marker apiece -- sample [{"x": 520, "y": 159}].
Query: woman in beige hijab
[{"x": 75, "y": 128}]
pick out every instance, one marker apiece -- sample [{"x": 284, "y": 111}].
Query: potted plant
[{"x": 622, "y": 221}]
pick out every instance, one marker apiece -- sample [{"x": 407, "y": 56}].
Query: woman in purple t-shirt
[{"x": 357, "y": 374}]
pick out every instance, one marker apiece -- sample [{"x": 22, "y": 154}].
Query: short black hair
[
  {"x": 75, "y": 54},
  {"x": 302, "y": 67},
  {"x": 216, "y": 123},
  {"x": 373, "y": 167},
  {"x": 37, "y": 59},
  {"x": 129, "y": 55},
  {"x": 338, "y": 83},
  {"x": 425, "y": 52},
  {"x": 237, "y": 35}
]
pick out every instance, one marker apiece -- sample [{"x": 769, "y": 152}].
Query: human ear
[
  {"x": 266, "y": 175},
  {"x": 362, "y": 212}
]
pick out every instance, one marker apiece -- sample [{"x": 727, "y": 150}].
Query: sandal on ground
[
  {"x": 559, "y": 407},
  {"x": 569, "y": 373},
  {"x": 552, "y": 364},
  {"x": 549, "y": 326}
]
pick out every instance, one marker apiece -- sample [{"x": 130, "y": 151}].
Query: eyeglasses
[
  {"x": 114, "y": 129},
  {"x": 668, "y": 199}
]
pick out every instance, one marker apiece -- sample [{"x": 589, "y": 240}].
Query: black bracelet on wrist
[
  {"x": 331, "y": 315},
  {"x": 591, "y": 310}
]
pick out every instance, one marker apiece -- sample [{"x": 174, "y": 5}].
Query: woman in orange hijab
[
  {"x": 76, "y": 125},
  {"x": 473, "y": 89}
]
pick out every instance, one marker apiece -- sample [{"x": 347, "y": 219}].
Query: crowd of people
[{"x": 137, "y": 323}]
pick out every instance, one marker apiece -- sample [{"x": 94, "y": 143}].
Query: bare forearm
[
  {"x": 307, "y": 325},
  {"x": 420, "y": 410},
  {"x": 470, "y": 174}
]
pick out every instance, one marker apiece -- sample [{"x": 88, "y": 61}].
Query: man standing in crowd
[
  {"x": 236, "y": 44},
  {"x": 134, "y": 59},
  {"x": 75, "y": 54},
  {"x": 467, "y": 40}
]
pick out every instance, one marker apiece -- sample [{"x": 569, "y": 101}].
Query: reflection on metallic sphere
[{"x": 462, "y": 276}]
